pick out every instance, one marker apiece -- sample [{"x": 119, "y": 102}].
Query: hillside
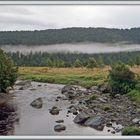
[{"x": 70, "y": 35}]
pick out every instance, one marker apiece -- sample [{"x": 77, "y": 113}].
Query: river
[{"x": 31, "y": 121}]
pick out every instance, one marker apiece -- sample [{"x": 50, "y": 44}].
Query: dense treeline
[
  {"x": 74, "y": 59},
  {"x": 70, "y": 35}
]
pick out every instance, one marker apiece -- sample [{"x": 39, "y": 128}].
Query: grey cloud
[{"x": 43, "y": 17}]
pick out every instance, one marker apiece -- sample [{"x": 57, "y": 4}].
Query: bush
[
  {"x": 8, "y": 73},
  {"x": 107, "y": 108},
  {"x": 131, "y": 130},
  {"x": 121, "y": 80},
  {"x": 135, "y": 95}
]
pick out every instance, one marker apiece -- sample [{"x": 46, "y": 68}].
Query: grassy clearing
[{"x": 81, "y": 76}]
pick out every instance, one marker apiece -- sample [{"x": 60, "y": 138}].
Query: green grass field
[{"x": 80, "y": 76}]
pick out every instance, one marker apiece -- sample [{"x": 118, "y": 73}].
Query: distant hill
[{"x": 70, "y": 35}]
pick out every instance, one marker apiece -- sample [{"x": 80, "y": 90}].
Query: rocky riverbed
[{"x": 52, "y": 109}]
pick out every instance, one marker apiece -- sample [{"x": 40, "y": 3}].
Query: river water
[{"x": 31, "y": 121}]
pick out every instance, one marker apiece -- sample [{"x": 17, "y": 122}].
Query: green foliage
[
  {"x": 100, "y": 62},
  {"x": 92, "y": 63},
  {"x": 86, "y": 81},
  {"x": 70, "y": 35},
  {"x": 8, "y": 73},
  {"x": 73, "y": 59},
  {"x": 93, "y": 97},
  {"x": 77, "y": 63},
  {"x": 121, "y": 80},
  {"x": 131, "y": 130},
  {"x": 107, "y": 107},
  {"x": 135, "y": 95}
]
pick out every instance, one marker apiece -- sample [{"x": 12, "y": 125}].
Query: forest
[
  {"x": 70, "y": 35},
  {"x": 74, "y": 59}
]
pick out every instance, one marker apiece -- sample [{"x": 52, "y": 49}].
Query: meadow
[{"x": 81, "y": 76}]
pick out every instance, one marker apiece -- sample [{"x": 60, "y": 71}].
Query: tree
[
  {"x": 100, "y": 62},
  {"x": 8, "y": 72},
  {"x": 92, "y": 63},
  {"x": 121, "y": 80},
  {"x": 77, "y": 63}
]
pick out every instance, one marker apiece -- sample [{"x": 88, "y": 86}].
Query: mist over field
[{"x": 90, "y": 48}]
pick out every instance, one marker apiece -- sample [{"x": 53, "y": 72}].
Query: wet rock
[
  {"x": 80, "y": 118},
  {"x": 21, "y": 88},
  {"x": 94, "y": 88},
  {"x": 33, "y": 89},
  {"x": 103, "y": 88},
  {"x": 136, "y": 121},
  {"x": 58, "y": 97},
  {"x": 102, "y": 100},
  {"x": 117, "y": 96},
  {"x": 60, "y": 128},
  {"x": 109, "y": 124},
  {"x": 59, "y": 121},
  {"x": 37, "y": 103},
  {"x": 68, "y": 88},
  {"x": 55, "y": 110},
  {"x": 72, "y": 91},
  {"x": 73, "y": 110},
  {"x": 113, "y": 132},
  {"x": 75, "y": 113},
  {"x": 95, "y": 122},
  {"x": 24, "y": 84}
]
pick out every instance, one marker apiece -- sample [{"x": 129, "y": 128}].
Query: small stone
[
  {"x": 55, "y": 110},
  {"x": 113, "y": 132},
  {"x": 59, "y": 121},
  {"x": 59, "y": 128},
  {"x": 102, "y": 100},
  {"x": 37, "y": 103},
  {"x": 136, "y": 121},
  {"x": 75, "y": 113},
  {"x": 109, "y": 124}
]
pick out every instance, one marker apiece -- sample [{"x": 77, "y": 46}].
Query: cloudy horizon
[{"x": 55, "y": 17}]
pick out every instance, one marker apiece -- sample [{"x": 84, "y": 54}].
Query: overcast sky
[{"x": 48, "y": 17}]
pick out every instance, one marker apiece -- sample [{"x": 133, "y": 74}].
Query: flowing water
[{"x": 32, "y": 121}]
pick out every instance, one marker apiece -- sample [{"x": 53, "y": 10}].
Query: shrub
[
  {"x": 121, "y": 80},
  {"x": 93, "y": 97},
  {"x": 8, "y": 73},
  {"x": 107, "y": 107},
  {"x": 131, "y": 130},
  {"x": 135, "y": 95}
]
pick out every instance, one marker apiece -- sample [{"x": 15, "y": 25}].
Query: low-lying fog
[{"x": 81, "y": 48}]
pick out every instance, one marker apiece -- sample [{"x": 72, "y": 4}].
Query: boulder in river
[
  {"x": 80, "y": 118},
  {"x": 55, "y": 110},
  {"x": 95, "y": 122},
  {"x": 37, "y": 103},
  {"x": 59, "y": 128}
]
